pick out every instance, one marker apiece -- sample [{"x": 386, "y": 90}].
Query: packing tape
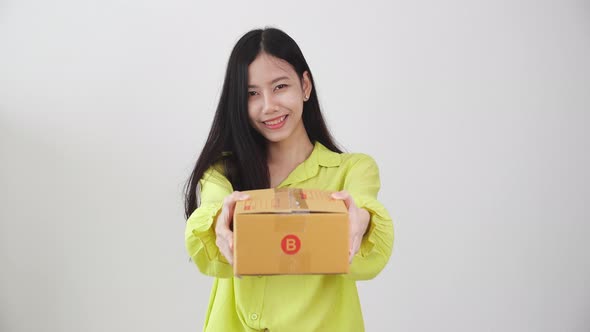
[
  {"x": 289, "y": 226},
  {"x": 298, "y": 200},
  {"x": 292, "y": 198},
  {"x": 299, "y": 263}
]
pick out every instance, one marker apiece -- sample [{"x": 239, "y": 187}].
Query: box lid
[{"x": 290, "y": 200}]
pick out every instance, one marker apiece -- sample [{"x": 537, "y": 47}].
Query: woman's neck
[
  {"x": 289, "y": 153},
  {"x": 284, "y": 156}
]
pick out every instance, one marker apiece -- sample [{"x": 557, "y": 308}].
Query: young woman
[{"x": 268, "y": 132}]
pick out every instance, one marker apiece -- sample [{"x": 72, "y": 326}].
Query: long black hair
[{"x": 232, "y": 140}]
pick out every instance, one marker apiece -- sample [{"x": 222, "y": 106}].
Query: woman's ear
[{"x": 306, "y": 85}]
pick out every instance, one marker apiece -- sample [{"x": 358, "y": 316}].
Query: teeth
[{"x": 277, "y": 121}]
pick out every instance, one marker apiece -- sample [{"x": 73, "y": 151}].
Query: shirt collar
[{"x": 320, "y": 157}]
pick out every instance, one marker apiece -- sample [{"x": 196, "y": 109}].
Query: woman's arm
[
  {"x": 200, "y": 227},
  {"x": 363, "y": 183}
]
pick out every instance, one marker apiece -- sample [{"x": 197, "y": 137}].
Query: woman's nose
[{"x": 270, "y": 105}]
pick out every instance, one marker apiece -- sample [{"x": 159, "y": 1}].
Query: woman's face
[{"x": 275, "y": 98}]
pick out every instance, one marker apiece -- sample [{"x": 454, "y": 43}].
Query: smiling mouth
[{"x": 276, "y": 121}]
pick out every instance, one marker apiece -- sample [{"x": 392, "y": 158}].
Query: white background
[{"x": 477, "y": 113}]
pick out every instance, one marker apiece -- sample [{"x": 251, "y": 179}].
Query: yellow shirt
[{"x": 285, "y": 303}]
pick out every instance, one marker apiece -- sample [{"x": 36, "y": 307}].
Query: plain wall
[{"x": 477, "y": 113}]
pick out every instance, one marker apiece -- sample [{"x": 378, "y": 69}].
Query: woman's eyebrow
[{"x": 271, "y": 82}]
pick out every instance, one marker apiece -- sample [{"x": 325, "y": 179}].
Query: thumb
[
  {"x": 344, "y": 195},
  {"x": 339, "y": 194},
  {"x": 243, "y": 196}
]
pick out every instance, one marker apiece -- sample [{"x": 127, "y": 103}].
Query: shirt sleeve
[
  {"x": 199, "y": 233},
  {"x": 363, "y": 183}
]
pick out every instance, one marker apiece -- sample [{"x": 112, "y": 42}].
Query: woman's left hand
[{"x": 359, "y": 221}]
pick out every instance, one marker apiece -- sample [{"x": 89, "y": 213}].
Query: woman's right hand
[{"x": 223, "y": 232}]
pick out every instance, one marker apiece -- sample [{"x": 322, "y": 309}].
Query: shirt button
[{"x": 254, "y": 316}]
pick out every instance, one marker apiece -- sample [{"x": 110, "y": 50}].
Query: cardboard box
[{"x": 290, "y": 231}]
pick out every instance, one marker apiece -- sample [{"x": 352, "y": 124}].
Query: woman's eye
[
  {"x": 252, "y": 93},
  {"x": 280, "y": 86}
]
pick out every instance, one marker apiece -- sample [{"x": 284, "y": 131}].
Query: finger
[
  {"x": 230, "y": 246},
  {"x": 224, "y": 217},
  {"x": 339, "y": 194},
  {"x": 230, "y": 202},
  {"x": 228, "y": 254},
  {"x": 230, "y": 259},
  {"x": 222, "y": 221},
  {"x": 349, "y": 202},
  {"x": 350, "y": 249},
  {"x": 229, "y": 205},
  {"x": 238, "y": 196},
  {"x": 242, "y": 196},
  {"x": 225, "y": 244},
  {"x": 354, "y": 249},
  {"x": 224, "y": 250},
  {"x": 345, "y": 196}
]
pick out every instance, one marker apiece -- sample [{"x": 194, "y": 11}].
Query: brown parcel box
[{"x": 290, "y": 231}]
